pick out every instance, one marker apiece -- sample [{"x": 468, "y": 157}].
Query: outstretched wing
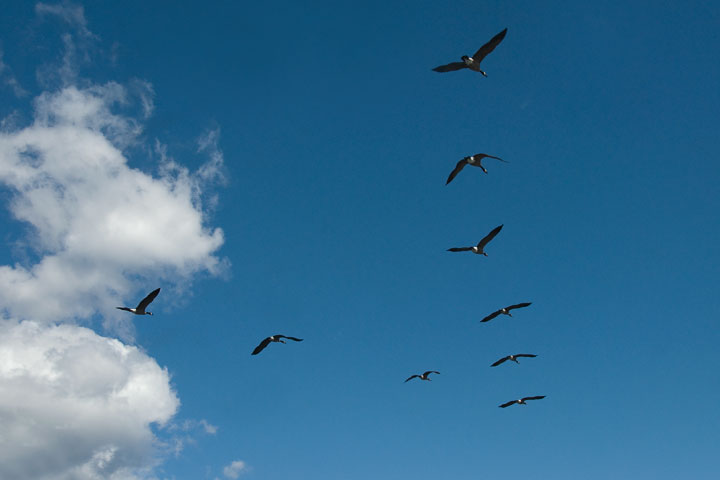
[
  {"x": 459, "y": 249},
  {"x": 262, "y": 346},
  {"x": 489, "y": 46},
  {"x": 289, "y": 338},
  {"x": 508, "y": 404},
  {"x": 450, "y": 67},
  {"x": 533, "y": 398},
  {"x": 481, "y": 244},
  {"x": 504, "y": 359},
  {"x": 411, "y": 377},
  {"x": 528, "y": 355},
  {"x": 460, "y": 165},
  {"x": 485, "y": 155},
  {"x": 429, "y": 372},
  {"x": 491, "y": 316},
  {"x": 146, "y": 301},
  {"x": 519, "y": 305}
]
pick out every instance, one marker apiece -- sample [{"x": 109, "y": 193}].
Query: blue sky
[{"x": 328, "y": 140}]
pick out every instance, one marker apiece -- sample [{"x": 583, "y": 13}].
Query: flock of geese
[{"x": 472, "y": 63}]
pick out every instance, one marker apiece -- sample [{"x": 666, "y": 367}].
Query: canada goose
[
  {"x": 473, "y": 63},
  {"x": 505, "y": 311},
  {"x": 521, "y": 401},
  {"x": 478, "y": 249},
  {"x": 513, "y": 358},
  {"x": 140, "y": 309},
  {"x": 274, "y": 338},
  {"x": 475, "y": 161},
  {"x": 424, "y": 376}
]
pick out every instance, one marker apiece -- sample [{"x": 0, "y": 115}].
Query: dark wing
[
  {"x": 491, "y": 316},
  {"x": 504, "y": 359},
  {"x": 289, "y": 338},
  {"x": 429, "y": 372},
  {"x": 411, "y": 377},
  {"x": 481, "y": 244},
  {"x": 460, "y": 165},
  {"x": 146, "y": 301},
  {"x": 485, "y": 155},
  {"x": 520, "y": 355},
  {"x": 450, "y": 67},
  {"x": 533, "y": 398},
  {"x": 519, "y": 305},
  {"x": 508, "y": 404},
  {"x": 489, "y": 46},
  {"x": 262, "y": 345},
  {"x": 459, "y": 249}
]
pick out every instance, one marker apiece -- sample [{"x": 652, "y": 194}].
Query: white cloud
[
  {"x": 76, "y": 405},
  {"x": 73, "y": 15},
  {"x": 96, "y": 222},
  {"x": 235, "y": 468}
]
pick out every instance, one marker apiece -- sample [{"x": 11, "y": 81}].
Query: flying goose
[
  {"x": 475, "y": 161},
  {"x": 274, "y": 338},
  {"x": 481, "y": 244},
  {"x": 505, "y": 311},
  {"x": 140, "y": 309},
  {"x": 473, "y": 63},
  {"x": 521, "y": 401},
  {"x": 513, "y": 358},
  {"x": 424, "y": 376}
]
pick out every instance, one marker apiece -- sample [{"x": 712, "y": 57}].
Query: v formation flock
[{"x": 472, "y": 63}]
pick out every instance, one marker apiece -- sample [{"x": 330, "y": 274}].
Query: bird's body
[
  {"x": 479, "y": 248},
  {"x": 473, "y": 160},
  {"x": 140, "y": 309},
  {"x": 513, "y": 358},
  {"x": 473, "y": 63},
  {"x": 521, "y": 401},
  {"x": 273, "y": 338},
  {"x": 424, "y": 376},
  {"x": 505, "y": 311}
]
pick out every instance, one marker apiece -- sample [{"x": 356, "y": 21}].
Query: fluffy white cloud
[
  {"x": 235, "y": 469},
  {"x": 97, "y": 222},
  {"x": 76, "y": 405}
]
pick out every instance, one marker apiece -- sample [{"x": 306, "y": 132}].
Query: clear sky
[{"x": 278, "y": 167}]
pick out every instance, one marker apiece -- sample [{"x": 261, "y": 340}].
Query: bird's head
[
  {"x": 281, "y": 340},
  {"x": 485, "y": 254},
  {"x": 148, "y": 313},
  {"x": 483, "y": 73}
]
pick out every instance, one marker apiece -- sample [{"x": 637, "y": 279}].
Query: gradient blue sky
[{"x": 337, "y": 140}]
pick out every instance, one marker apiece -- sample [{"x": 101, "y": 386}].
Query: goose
[
  {"x": 273, "y": 338},
  {"x": 513, "y": 358},
  {"x": 140, "y": 309},
  {"x": 473, "y": 63},
  {"x": 478, "y": 249},
  {"x": 521, "y": 401},
  {"x": 424, "y": 376},
  {"x": 475, "y": 161},
  {"x": 505, "y": 311}
]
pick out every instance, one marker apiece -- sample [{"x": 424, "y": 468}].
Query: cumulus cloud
[
  {"x": 96, "y": 222},
  {"x": 235, "y": 468},
  {"x": 76, "y": 405},
  {"x": 98, "y": 232}
]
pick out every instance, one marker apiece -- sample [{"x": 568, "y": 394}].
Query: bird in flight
[
  {"x": 505, "y": 311},
  {"x": 140, "y": 309},
  {"x": 424, "y": 376},
  {"x": 521, "y": 401},
  {"x": 273, "y": 338},
  {"x": 478, "y": 249},
  {"x": 475, "y": 161},
  {"x": 473, "y": 63},
  {"x": 513, "y": 358}
]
